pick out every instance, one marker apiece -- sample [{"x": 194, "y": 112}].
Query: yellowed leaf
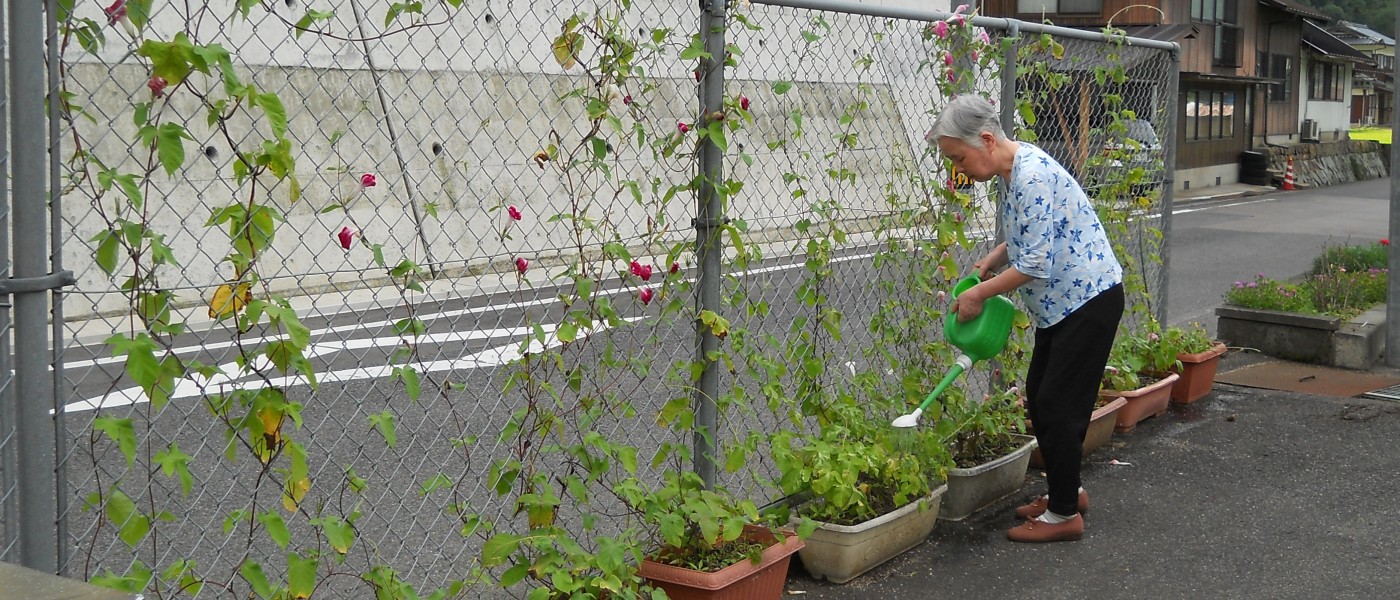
[
  {"x": 229, "y": 299},
  {"x": 566, "y": 48},
  {"x": 293, "y": 494}
]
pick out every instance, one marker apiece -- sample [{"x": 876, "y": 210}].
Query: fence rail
[{"x": 361, "y": 287}]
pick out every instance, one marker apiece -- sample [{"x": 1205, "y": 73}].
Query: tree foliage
[{"x": 1376, "y": 14}]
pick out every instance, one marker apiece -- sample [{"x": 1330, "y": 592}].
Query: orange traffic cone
[{"x": 1288, "y": 176}]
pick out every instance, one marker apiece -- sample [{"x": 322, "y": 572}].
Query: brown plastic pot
[
  {"x": 1197, "y": 374},
  {"x": 743, "y": 580},
  {"x": 1145, "y": 402}
]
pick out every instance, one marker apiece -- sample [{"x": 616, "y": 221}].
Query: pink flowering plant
[{"x": 1344, "y": 281}]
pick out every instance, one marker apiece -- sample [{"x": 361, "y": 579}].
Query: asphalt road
[{"x": 1213, "y": 244}]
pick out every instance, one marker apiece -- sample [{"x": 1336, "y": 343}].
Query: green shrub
[
  {"x": 1352, "y": 259},
  {"x": 1269, "y": 294}
]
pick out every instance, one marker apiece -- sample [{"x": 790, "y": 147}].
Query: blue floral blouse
[{"x": 1053, "y": 235}]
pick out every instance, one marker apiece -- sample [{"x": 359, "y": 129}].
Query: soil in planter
[
  {"x": 709, "y": 560},
  {"x": 974, "y": 450}
]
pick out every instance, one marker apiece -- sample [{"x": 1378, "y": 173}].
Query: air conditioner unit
[{"x": 1310, "y": 131}]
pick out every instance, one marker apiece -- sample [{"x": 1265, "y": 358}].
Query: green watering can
[{"x": 978, "y": 339}]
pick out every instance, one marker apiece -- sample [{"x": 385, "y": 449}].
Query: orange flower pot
[
  {"x": 743, "y": 580},
  {"x": 1144, "y": 402},
  {"x": 1197, "y": 374}
]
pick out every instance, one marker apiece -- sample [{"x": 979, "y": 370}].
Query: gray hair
[{"x": 966, "y": 118}]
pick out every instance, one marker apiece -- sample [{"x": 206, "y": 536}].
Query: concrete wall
[{"x": 450, "y": 116}]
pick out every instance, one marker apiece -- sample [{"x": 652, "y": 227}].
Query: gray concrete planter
[
  {"x": 976, "y": 487},
  {"x": 1355, "y": 344},
  {"x": 840, "y": 553}
]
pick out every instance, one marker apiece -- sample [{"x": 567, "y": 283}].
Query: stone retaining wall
[{"x": 1330, "y": 163}]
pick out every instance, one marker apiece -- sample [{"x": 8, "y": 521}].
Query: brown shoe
[
  {"x": 1037, "y": 531},
  {"x": 1042, "y": 503}
]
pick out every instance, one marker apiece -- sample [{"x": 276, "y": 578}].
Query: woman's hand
[
  {"x": 968, "y": 304},
  {"x": 992, "y": 262}
]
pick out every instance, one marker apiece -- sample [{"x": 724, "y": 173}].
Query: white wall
[{"x": 1333, "y": 117}]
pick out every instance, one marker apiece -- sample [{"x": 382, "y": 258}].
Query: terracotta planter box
[
  {"x": 740, "y": 581},
  {"x": 1143, "y": 403},
  {"x": 976, "y": 487},
  {"x": 840, "y": 552},
  {"x": 1101, "y": 425},
  {"x": 1197, "y": 374}
]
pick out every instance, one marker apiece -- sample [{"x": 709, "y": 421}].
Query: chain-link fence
[{"x": 363, "y": 286}]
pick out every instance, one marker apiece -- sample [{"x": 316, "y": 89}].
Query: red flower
[
  {"x": 521, "y": 265},
  {"x": 646, "y": 295},
  {"x": 514, "y": 212},
  {"x": 744, "y": 102},
  {"x": 367, "y": 180},
  {"x": 1385, "y": 241},
  {"x": 675, "y": 267},
  {"x": 115, "y": 12},
  {"x": 157, "y": 85},
  {"x": 697, "y": 75},
  {"x": 627, "y": 99},
  {"x": 346, "y": 236},
  {"x": 644, "y": 272},
  {"x": 684, "y": 128}
]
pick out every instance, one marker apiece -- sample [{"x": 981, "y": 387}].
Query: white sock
[{"x": 1052, "y": 518}]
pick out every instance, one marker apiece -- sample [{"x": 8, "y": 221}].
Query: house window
[
  {"x": 1279, "y": 66},
  {"x": 1214, "y": 11},
  {"x": 1210, "y": 115},
  {"x": 1059, "y": 7},
  {"x": 1325, "y": 81},
  {"x": 1227, "y": 45}
]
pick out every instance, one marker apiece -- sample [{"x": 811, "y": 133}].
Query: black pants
[{"x": 1061, "y": 385}]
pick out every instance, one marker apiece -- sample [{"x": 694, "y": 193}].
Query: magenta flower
[
  {"x": 940, "y": 29},
  {"x": 697, "y": 75},
  {"x": 744, "y": 102},
  {"x": 645, "y": 273},
  {"x": 675, "y": 267},
  {"x": 948, "y": 58},
  {"x": 116, "y": 12},
  {"x": 627, "y": 100},
  {"x": 514, "y": 213},
  {"x": 974, "y": 56},
  {"x": 684, "y": 128},
  {"x": 367, "y": 180},
  {"x": 962, "y": 8},
  {"x": 157, "y": 85},
  {"x": 952, "y": 76},
  {"x": 983, "y": 37},
  {"x": 646, "y": 295},
  {"x": 346, "y": 237},
  {"x": 521, "y": 265}
]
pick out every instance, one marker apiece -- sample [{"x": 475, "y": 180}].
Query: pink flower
[
  {"x": 675, "y": 267},
  {"x": 514, "y": 213},
  {"x": 948, "y": 58},
  {"x": 983, "y": 37},
  {"x": 940, "y": 29},
  {"x": 952, "y": 76},
  {"x": 974, "y": 55},
  {"x": 367, "y": 180},
  {"x": 942, "y": 295},
  {"x": 157, "y": 85},
  {"x": 116, "y": 12},
  {"x": 1152, "y": 337},
  {"x": 346, "y": 236},
  {"x": 744, "y": 102},
  {"x": 646, "y": 295},
  {"x": 960, "y": 9},
  {"x": 684, "y": 128},
  {"x": 521, "y": 265}
]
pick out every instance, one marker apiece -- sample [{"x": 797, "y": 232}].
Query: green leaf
[
  {"x": 170, "y": 146},
  {"x": 276, "y": 113},
  {"x": 411, "y": 326},
  {"x": 301, "y": 575},
  {"x": 108, "y": 248},
  {"x": 384, "y": 422},
  {"x": 252, "y": 573},
  {"x": 497, "y": 549},
  {"x": 516, "y": 574},
  {"x": 132, "y": 526},
  {"x": 438, "y": 482},
  {"x": 310, "y": 18},
  {"x": 276, "y": 528},
  {"x": 338, "y": 533},
  {"x": 175, "y": 463},
  {"x": 121, "y": 432},
  {"x": 567, "y": 332},
  {"x": 695, "y": 50},
  {"x": 411, "y": 385},
  {"x": 781, "y": 87}
]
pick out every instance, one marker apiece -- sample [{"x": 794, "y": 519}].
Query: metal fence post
[
  {"x": 9, "y": 484},
  {"x": 1168, "y": 181},
  {"x": 1392, "y": 302},
  {"x": 37, "y": 511},
  {"x": 1008, "y": 100},
  {"x": 709, "y": 218}
]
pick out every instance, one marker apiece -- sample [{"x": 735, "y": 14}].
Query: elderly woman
[{"x": 1057, "y": 255}]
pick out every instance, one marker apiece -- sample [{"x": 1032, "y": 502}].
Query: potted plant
[
  {"x": 869, "y": 491},
  {"x": 1133, "y": 374},
  {"x": 707, "y": 543},
  {"x": 1197, "y": 357},
  {"x": 989, "y": 452}
]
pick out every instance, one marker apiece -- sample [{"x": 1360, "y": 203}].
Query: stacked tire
[{"x": 1254, "y": 168}]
